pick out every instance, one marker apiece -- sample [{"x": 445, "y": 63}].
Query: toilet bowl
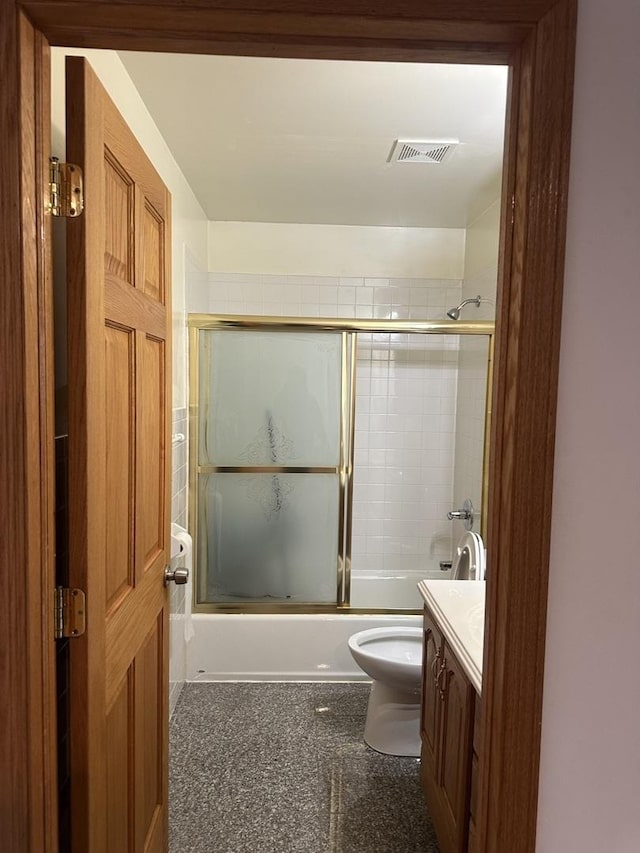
[
  {"x": 392, "y": 657},
  {"x": 469, "y": 558}
]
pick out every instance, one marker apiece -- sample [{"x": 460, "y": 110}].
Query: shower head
[{"x": 454, "y": 313}]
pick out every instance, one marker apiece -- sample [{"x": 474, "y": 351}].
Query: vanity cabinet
[{"x": 447, "y": 732}]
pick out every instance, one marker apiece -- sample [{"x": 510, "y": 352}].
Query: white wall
[
  {"x": 481, "y": 255},
  {"x": 270, "y": 248},
  {"x": 189, "y": 236},
  {"x": 590, "y": 768}
]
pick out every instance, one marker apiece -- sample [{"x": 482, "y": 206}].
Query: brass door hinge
[
  {"x": 69, "y": 615},
  {"x": 65, "y": 189}
]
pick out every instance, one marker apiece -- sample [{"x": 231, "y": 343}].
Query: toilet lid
[{"x": 468, "y": 560}]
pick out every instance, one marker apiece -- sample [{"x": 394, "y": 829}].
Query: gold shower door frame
[{"x": 349, "y": 328}]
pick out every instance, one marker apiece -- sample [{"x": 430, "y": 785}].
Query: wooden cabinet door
[
  {"x": 429, "y": 710},
  {"x": 118, "y": 261},
  {"x": 456, "y": 745}
]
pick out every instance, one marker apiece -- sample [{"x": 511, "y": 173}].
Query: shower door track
[{"x": 349, "y": 329}]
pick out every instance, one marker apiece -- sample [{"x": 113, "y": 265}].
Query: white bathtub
[
  {"x": 267, "y": 647},
  {"x": 299, "y": 647}
]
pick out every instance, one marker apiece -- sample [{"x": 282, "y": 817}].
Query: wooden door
[{"x": 118, "y": 256}]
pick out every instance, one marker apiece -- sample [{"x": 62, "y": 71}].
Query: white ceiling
[{"x": 286, "y": 140}]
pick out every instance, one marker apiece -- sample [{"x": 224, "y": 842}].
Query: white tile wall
[
  {"x": 481, "y": 275},
  {"x": 405, "y": 423},
  {"x": 179, "y": 469},
  {"x": 405, "y": 406}
]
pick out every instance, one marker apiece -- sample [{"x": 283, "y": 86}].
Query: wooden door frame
[{"x": 537, "y": 39}]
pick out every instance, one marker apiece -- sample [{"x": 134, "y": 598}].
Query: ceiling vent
[{"x": 422, "y": 150}]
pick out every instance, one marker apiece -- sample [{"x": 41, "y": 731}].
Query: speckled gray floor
[{"x": 282, "y": 768}]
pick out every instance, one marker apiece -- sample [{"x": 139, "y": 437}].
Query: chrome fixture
[
  {"x": 465, "y": 514},
  {"x": 454, "y": 313},
  {"x": 179, "y": 575}
]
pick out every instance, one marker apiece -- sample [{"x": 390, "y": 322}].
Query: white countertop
[{"x": 458, "y": 608}]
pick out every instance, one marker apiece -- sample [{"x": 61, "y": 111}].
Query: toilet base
[{"x": 393, "y": 721}]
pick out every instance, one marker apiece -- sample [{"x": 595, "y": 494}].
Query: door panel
[
  {"x": 119, "y": 208},
  {"x": 151, "y": 507},
  {"x": 119, "y": 767},
  {"x": 455, "y": 767},
  {"x": 153, "y": 236},
  {"x": 149, "y": 734},
  {"x": 119, "y": 409},
  {"x": 120, "y": 439}
]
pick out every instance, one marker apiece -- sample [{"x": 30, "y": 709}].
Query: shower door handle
[{"x": 179, "y": 575}]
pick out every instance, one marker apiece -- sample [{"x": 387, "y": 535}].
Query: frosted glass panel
[
  {"x": 270, "y": 398},
  {"x": 268, "y": 538}
]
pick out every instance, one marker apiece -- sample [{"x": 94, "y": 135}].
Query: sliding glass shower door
[{"x": 270, "y": 466}]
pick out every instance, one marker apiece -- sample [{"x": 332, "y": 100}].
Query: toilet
[{"x": 392, "y": 658}]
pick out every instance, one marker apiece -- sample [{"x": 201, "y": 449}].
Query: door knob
[{"x": 179, "y": 575}]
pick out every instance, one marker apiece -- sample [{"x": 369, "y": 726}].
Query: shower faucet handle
[
  {"x": 465, "y": 514},
  {"x": 460, "y": 514}
]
